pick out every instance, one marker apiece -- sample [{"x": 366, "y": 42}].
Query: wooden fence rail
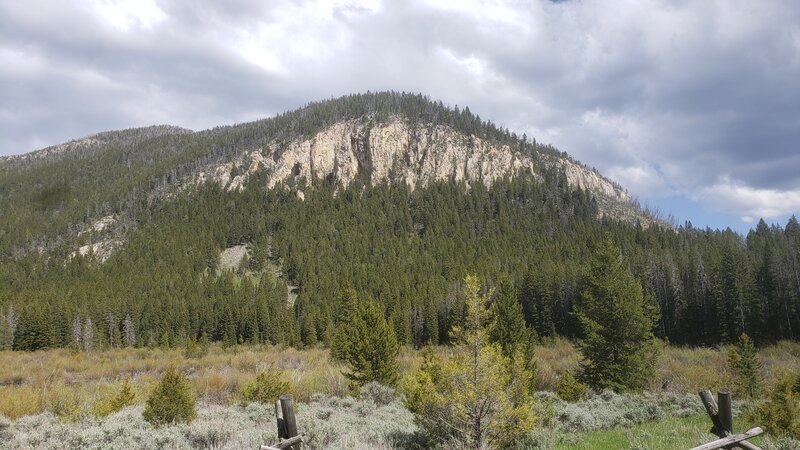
[
  {"x": 727, "y": 441},
  {"x": 721, "y": 415}
]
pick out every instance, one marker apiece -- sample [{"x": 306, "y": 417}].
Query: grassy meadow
[{"x": 64, "y": 392}]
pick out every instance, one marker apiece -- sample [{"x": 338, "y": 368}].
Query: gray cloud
[{"x": 687, "y": 98}]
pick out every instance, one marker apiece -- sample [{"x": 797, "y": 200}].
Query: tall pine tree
[{"x": 618, "y": 347}]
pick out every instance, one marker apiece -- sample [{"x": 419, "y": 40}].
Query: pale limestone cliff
[
  {"x": 397, "y": 152},
  {"x": 394, "y": 151},
  {"x": 582, "y": 177}
]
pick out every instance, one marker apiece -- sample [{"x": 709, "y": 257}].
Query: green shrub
[
  {"x": 172, "y": 401},
  {"x": 267, "y": 387},
  {"x": 571, "y": 390},
  {"x": 125, "y": 397},
  {"x": 780, "y": 414}
]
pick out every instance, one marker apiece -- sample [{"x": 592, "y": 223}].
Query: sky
[{"x": 693, "y": 106}]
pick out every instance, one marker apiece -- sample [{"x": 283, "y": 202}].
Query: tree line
[{"x": 404, "y": 250}]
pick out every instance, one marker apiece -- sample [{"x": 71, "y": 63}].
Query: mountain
[
  {"x": 384, "y": 137},
  {"x": 249, "y": 232}
]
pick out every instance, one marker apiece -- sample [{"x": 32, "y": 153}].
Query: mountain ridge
[{"x": 379, "y": 137}]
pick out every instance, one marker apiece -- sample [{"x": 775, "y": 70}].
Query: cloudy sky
[{"x": 693, "y": 106}]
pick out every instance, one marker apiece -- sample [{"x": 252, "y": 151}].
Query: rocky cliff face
[{"x": 396, "y": 152}]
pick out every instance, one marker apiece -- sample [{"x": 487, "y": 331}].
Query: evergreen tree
[
  {"x": 478, "y": 397},
  {"x": 743, "y": 360},
  {"x": 87, "y": 337},
  {"x": 344, "y": 316},
  {"x": 537, "y": 300},
  {"x": 172, "y": 401},
  {"x": 128, "y": 331},
  {"x": 77, "y": 333},
  {"x": 508, "y": 323},
  {"x": 371, "y": 351},
  {"x": 309, "y": 331},
  {"x": 618, "y": 347},
  {"x": 6, "y": 335},
  {"x": 35, "y": 330}
]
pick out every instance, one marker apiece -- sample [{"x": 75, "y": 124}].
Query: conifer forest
[{"x": 527, "y": 293}]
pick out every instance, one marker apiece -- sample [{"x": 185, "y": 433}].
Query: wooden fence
[
  {"x": 721, "y": 415},
  {"x": 288, "y": 436},
  {"x": 719, "y": 410}
]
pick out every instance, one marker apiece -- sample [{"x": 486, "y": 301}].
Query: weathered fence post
[
  {"x": 732, "y": 441},
  {"x": 725, "y": 411},
  {"x": 713, "y": 412},
  {"x": 289, "y": 421},
  {"x": 279, "y": 418},
  {"x": 288, "y": 436}
]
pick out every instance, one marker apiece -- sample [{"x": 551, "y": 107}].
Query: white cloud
[
  {"x": 127, "y": 14},
  {"x": 643, "y": 180},
  {"x": 732, "y": 197},
  {"x": 663, "y": 97}
]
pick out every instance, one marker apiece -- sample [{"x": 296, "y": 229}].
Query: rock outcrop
[{"x": 396, "y": 151}]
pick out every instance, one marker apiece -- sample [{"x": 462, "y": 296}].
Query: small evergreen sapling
[
  {"x": 172, "y": 401},
  {"x": 743, "y": 360},
  {"x": 780, "y": 414},
  {"x": 125, "y": 397},
  {"x": 478, "y": 397}
]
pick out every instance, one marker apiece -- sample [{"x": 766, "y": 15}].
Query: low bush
[
  {"x": 124, "y": 397},
  {"x": 608, "y": 410},
  {"x": 16, "y": 402},
  {"x": 267, "y": 387},
  {"x": 780, "y": 414},
  {"x": 172, "y": 401},
  {"x": 65, "y": 402},
  {"x": 571, "y": 390},
  {"x": 378, "y": 394}
]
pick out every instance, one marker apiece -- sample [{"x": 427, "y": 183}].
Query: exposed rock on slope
[{"x": 396, "y": 151}]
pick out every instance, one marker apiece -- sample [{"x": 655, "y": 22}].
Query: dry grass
[
  {"x": 70, "y": 384},
  {"x": 679, "y": 370},
  {"x": 552, "y": 360}
]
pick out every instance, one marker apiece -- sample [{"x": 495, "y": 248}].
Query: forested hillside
[{"x": 408, "y": 247}]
